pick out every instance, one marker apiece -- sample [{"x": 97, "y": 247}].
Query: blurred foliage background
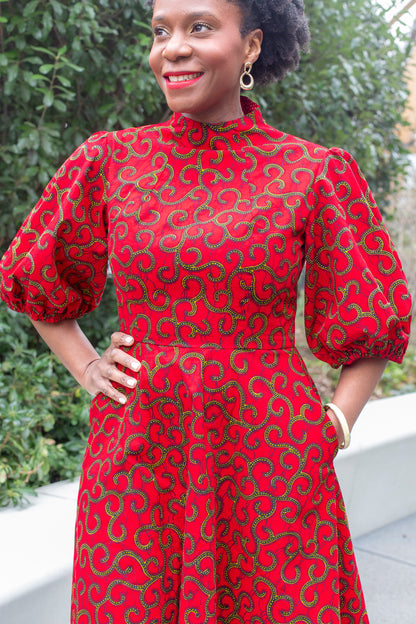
[{"x": 70, "y": 68}]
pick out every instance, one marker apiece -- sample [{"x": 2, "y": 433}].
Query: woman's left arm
[{"x": 355, "y": 386}]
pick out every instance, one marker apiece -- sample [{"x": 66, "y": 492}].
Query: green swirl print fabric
[{"x": 210, "y": 497}]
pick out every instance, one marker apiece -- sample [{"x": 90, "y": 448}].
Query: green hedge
[{"x": 43, "y": 412}]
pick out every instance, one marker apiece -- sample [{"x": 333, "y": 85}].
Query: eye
[
  {"x": 200, "y": 27},
  {"x": 158, "y": 31}
]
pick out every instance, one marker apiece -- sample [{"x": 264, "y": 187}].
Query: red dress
[{"x": 211, "y": 495}]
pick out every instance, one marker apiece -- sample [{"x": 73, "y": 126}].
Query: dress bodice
[{"x": 209, "y": 208}]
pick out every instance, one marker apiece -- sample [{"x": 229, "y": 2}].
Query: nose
[{"x": 176, "y": 47}]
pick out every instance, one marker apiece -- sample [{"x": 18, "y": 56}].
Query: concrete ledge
[
  {"x": 377, "y": 472},
  {"x": 377, "y": 475},
  {"x": 36, "y": 546}
]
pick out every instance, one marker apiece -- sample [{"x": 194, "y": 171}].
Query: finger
[
  {"x": 119, "y": 339},
  {"x": 125, "y": 360},
  {"x": 115, "y": 374},
  {"x": 109, "y": 390}
]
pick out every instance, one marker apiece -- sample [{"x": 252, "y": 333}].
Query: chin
[{"x": 181, "y": 105}]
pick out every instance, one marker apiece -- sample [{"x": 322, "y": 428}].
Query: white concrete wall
[
  {"x": 36, "y": 550},
  {"x": 377, "y": 472}
]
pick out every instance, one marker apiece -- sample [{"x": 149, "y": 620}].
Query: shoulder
[
  {"x": 294, "y": 149},
  {"x": 136, "y": 141},
  {"x": 326, "y": 163}
]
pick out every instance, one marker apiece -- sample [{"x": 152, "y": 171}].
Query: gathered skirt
[{"x": 211, "y": 497}]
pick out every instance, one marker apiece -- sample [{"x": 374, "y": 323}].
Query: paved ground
[{"x": 387, "y": 563}]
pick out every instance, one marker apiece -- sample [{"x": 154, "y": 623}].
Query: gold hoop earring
[{"x": 246, "y": 75}]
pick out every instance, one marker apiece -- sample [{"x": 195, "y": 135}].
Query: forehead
[{"x": 226, "y": 9}]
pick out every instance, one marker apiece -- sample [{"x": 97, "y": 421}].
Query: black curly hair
[{"x": 285, "y": 35}]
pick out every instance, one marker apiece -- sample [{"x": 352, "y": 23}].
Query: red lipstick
[{"x": 180, "y": 80}]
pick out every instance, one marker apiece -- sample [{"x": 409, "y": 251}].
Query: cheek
[
  {"x": 229, "y": 58},
  {"x": 154, "y": 62}
]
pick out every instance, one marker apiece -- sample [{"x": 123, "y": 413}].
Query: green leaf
[
  {"x": 47, "y": 23},
  {"x": 12, "y": 72},
  {"x": 60, "y": 105},
  {"x": 63, "y": 80},
  {"x": 46, "y": 68},
  {"x": 35, "y": 78},
  {"x": 43, "y": 50},
  {"x": 76, "y": 68},
  {"x": 30, "y": 8},
  {"x": 48, "y": 99},
  {"x": 58, "y": 9}
]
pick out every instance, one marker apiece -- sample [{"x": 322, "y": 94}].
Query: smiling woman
[{"x": 208, "y": 493}]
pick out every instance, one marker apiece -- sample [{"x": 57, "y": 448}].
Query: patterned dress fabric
[{"x": 211, "y": 497}]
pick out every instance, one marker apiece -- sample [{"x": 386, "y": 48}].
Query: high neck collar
[{"x": 201, "y": 132}]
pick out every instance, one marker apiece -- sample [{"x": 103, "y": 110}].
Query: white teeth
[{"x": 183, "y": 78}]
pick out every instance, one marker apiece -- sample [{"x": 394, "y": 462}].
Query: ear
[{"x": 254, "y": 40}]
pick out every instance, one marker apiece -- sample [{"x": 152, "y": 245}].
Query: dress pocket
[{"x": 329, "y": 434}]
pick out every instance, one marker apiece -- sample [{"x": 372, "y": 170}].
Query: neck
[{"x": 215, "y": 118}]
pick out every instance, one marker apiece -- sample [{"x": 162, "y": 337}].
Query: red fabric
[{"x": 211, "y": 495}]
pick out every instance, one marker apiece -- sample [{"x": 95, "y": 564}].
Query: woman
[{"x": 208, "y": 492}]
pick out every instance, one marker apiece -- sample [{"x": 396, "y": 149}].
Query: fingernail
[
  {"x": 136, "y": 365},
  {"x": 129, "y": 339},
  {"x": 131, "y": 382},
  {"x": 123, "y": 400}
]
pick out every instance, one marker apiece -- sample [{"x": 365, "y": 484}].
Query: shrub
[{"x": 43, "y": 412}]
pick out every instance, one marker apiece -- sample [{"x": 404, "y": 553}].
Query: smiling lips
[{"x": 181, "y": 80}]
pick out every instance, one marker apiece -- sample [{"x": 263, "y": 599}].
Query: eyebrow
[{"x": 196, "y": 15}]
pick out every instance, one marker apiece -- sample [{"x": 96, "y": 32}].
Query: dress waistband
[{"x": 290, "y": 346}]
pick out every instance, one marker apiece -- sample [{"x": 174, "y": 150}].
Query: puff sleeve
[
  {"x": 357, "y": 303},
  {"x": 56, "y": 266}
]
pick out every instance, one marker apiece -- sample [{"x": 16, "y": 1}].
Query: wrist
[{"x": 86, "y": 381}]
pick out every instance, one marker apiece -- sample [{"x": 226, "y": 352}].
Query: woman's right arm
[{"x": 94, "y": 373}]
